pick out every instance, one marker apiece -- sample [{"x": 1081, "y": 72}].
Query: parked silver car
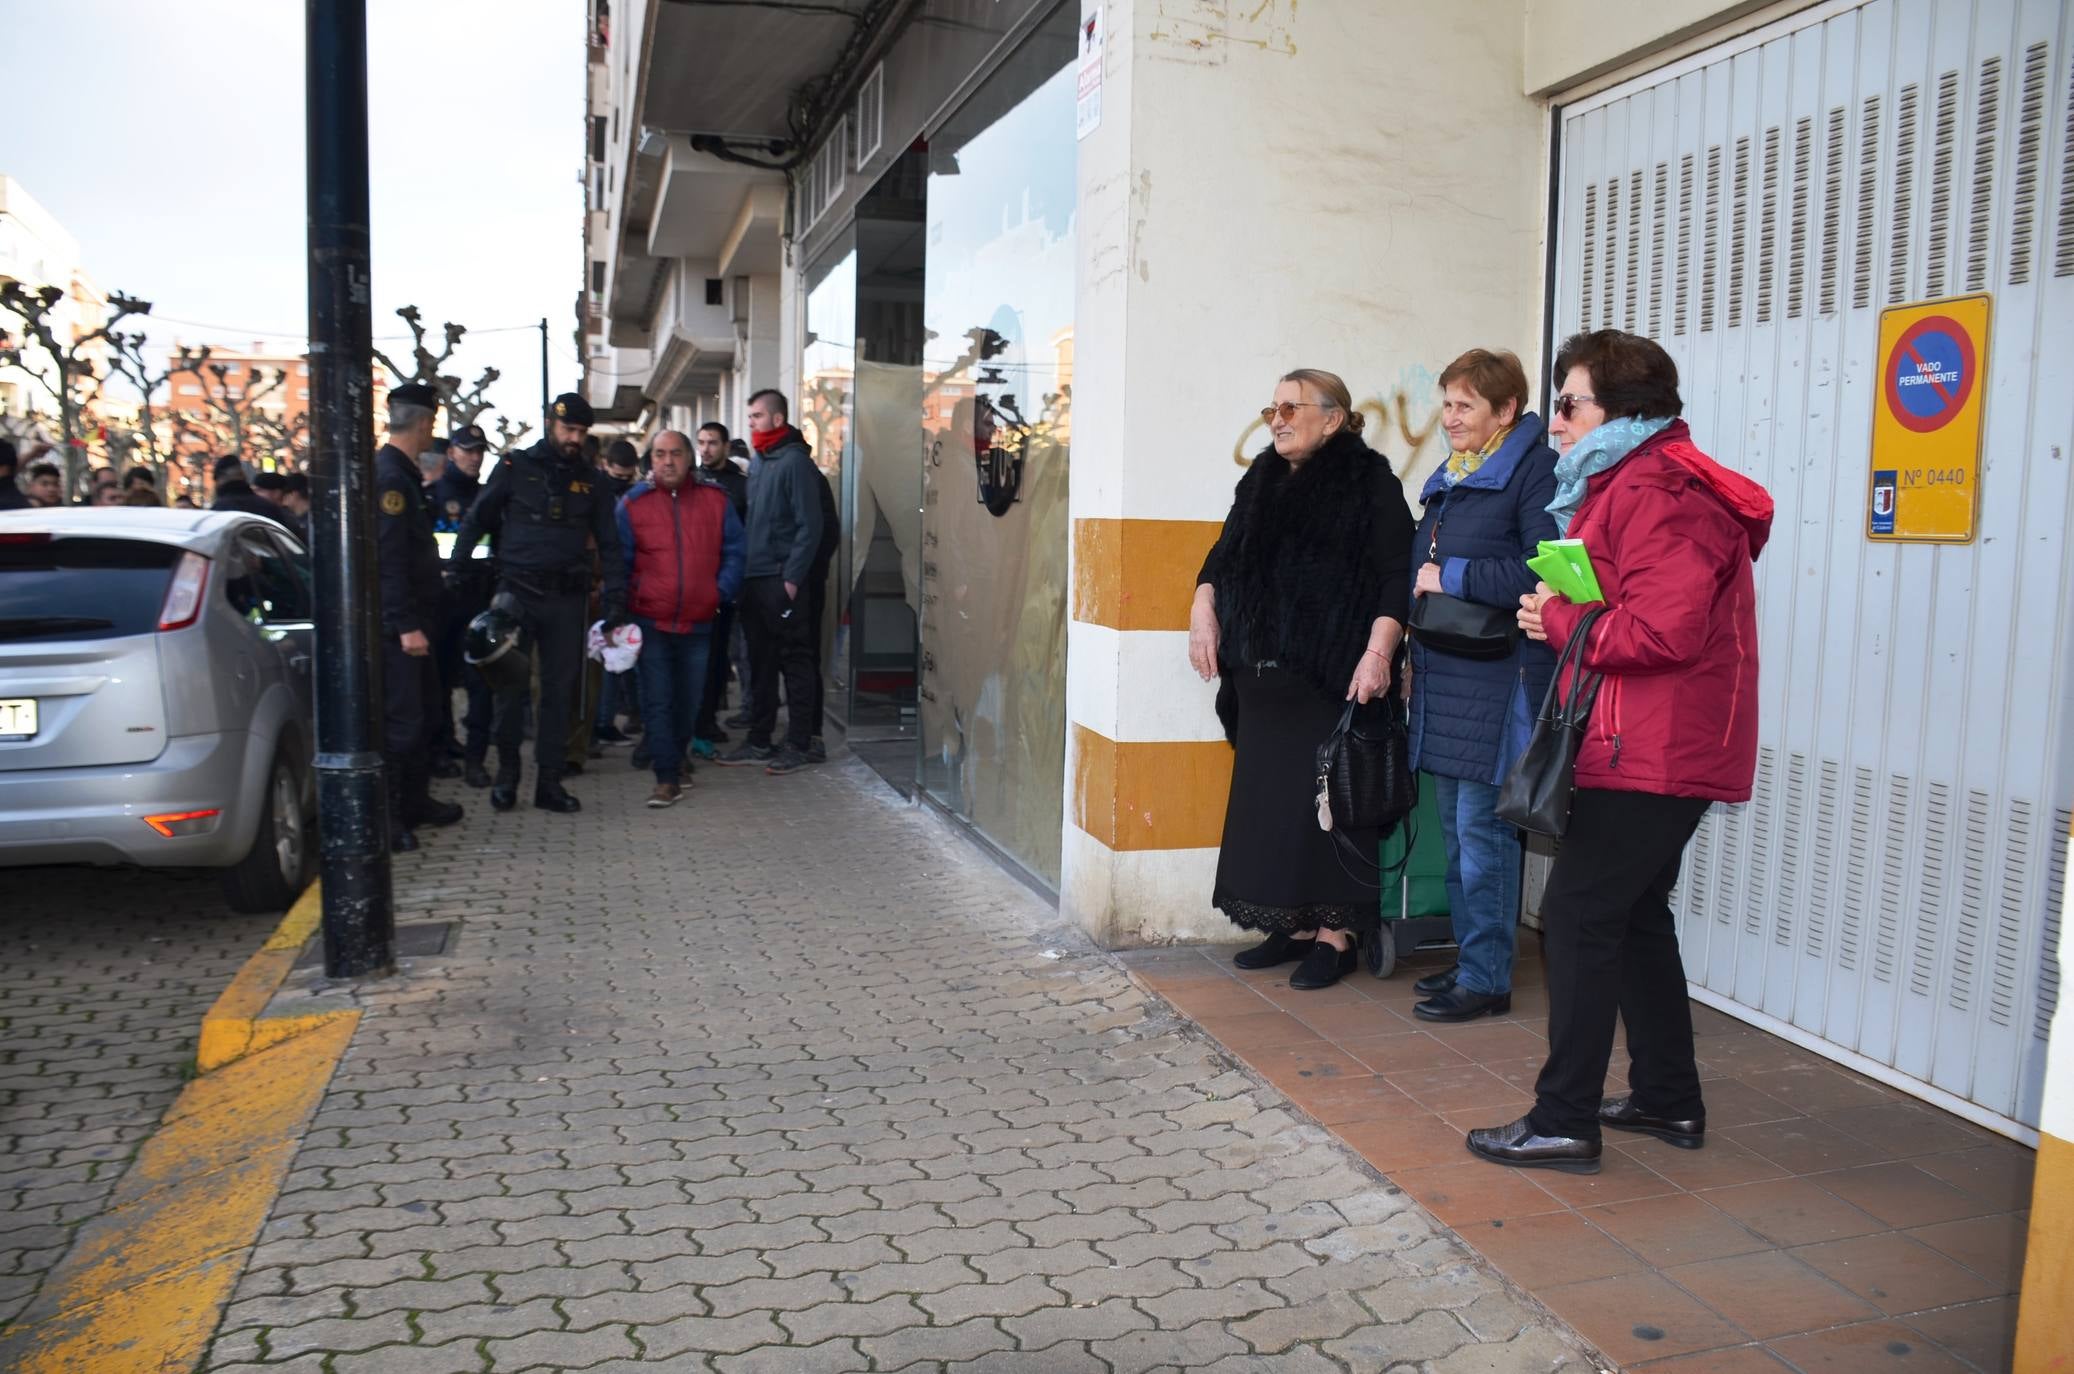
[{"x": 155, "y": 695}]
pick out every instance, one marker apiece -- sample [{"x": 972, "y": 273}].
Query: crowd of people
[
  {"x": 1311, "y": 598},
  {"x": 718, "y": 565},
  {"x": 282, "y": 496}
]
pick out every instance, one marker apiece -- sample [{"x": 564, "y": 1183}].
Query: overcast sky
[{"x": 168, "y": 139}]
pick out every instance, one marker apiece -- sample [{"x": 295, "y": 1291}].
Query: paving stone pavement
[
  {"x": 791, "y": 1078},
  {"x": 104, "y": 976}
]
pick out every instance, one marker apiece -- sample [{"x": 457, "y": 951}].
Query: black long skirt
[{"x": 1277, "y": 871}]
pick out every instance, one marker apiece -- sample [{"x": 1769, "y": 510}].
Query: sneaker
[
  {"x": 665, "y": 794},
  {"x": 788, "y": 760},
  {"x": 704, "y": 748},
  {"x": 738, "y": 721},
  {"x": 817, "y": 750},
  {"x": 641, "y": 758},
  {"x": 747, "y": 756},
  {"x": 612, "y": 734}
]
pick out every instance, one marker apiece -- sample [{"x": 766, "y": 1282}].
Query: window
[
  {"x": 83, "y": 588},
  {"x": 597, "y": 278},
  {"x": 597, "y": 138},
  {"x": 190, "y": 389},
  {"x": 270, "y": 587}
]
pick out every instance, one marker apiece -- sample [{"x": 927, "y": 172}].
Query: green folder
[{"x": 1567, "y": 568}]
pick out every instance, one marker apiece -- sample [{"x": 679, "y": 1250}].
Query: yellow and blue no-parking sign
[{"x": 1926, "y": 422}]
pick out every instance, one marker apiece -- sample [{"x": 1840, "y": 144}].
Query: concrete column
[{"x": 1356, "y": 187}]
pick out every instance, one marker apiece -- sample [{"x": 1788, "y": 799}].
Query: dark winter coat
[
  {"x": 785, "y": 511},
  {"x": 1308, "y": 558},
  {"x": 1470, "y": 718},
  {"x": 1673, "y": 537}
]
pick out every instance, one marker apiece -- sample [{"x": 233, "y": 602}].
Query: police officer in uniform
[
  {"x": 411, "y": 603},
  {"x": 450, "y": 496},
  {"x": 546, "y": 504}
]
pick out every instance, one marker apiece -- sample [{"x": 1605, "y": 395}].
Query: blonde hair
[{"x": 1333, "y": 392}]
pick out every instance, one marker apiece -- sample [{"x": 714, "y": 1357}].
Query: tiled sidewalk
[{"x": 1831, "y": 1223}]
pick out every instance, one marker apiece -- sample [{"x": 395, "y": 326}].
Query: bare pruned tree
[
  {"x": 71, "y": 375},
  {"x": 463, "y": 403},
  {"x": 509, "y": 435},
  {"x": 148, "y": 442},
  {"x": 233, "y": 418}
]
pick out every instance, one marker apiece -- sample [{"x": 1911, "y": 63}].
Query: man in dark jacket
[
  {"x": 233, "y": 492},
  {"x": 716, "y": 467},
  {"x": 545, "y": 505},
  {"x": 408, "y": 561},
  {"x": 784, "y": 540},
  {"x": 683, "y": 548}
]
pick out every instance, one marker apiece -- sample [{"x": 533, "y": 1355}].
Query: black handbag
[
  {"x": 1365, "y": 780},
  {"x": 1464, "y": 628},
  {"x": 1536, "y": 794}
]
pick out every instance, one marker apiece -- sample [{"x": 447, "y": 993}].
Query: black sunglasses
[{"x": 1567, "y": 403}]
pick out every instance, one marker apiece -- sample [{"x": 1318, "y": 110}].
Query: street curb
[{"x": 145, "y": 1283}]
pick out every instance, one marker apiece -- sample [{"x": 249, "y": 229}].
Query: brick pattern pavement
[
  {"x": 789, "y": 1078},
  {"x": 104, "y": 976}
]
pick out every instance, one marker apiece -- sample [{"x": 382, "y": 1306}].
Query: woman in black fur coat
[{"x": 1299, "y": 608}]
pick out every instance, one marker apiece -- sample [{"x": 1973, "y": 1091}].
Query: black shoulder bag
[
  {"x": 1456, "y": 625},
  {"x": 1536, "y": 794}
]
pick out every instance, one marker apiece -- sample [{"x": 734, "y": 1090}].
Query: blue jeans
[
  {"x": 1483, "y": 872},
  {"x": 672, "y": 669}
]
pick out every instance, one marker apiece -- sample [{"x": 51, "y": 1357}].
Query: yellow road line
[{"x": 145, "y": 1283}]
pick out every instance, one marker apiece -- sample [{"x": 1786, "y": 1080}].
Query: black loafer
[
  {"x": 1521, "y": 1147},
  {"x": 1323, "y": 967},
  {"x": 1622, "y": 1115},
  {"x": 549, "y": 796},
  {"x": 1460, "y": 1004},
  {"x": 1275, "y": 949},
  {"x": 435, "y": 813},
  {"x": 1434, "y": 983},
  {"x": 473, "y": 774}
]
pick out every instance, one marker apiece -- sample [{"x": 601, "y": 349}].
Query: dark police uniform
[
  {"x": 409, "y": 564},
  {"x": 450, "y": 497},
  {"x": 545, "y": 507}
]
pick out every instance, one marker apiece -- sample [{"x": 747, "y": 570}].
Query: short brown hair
[
  {"x": 1497, "y": 377},
  {"x": 1329, "y": 385},
  {"x": 1631, "y": 376}
]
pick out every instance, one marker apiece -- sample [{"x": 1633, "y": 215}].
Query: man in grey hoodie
[{"x": 784, "y": 537}]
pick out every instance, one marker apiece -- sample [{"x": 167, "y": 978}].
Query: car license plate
[{"x": 18, "y": 716}]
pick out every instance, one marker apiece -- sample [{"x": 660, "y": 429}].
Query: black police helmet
[{"x": 494, "y": 647}]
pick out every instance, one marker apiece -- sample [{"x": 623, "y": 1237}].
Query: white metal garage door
[{"x": 1892, "y": 891}]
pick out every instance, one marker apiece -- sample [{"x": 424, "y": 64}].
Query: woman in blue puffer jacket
[{"x": 1486, "y": 513}]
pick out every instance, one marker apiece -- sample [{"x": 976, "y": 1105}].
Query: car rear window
[{"x": 82, "y": 588}]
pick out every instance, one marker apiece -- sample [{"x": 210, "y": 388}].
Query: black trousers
[
  {"x": 409, "y": 684},
  {"x": 473, "y": 737},
  {"x": 555, "y": 625},
  {"x": 708, "y": 726},
  {"x": 781, "y": 644},
  {"x": 1611, "y": 945},
  {"x": 816, "y": 594}
]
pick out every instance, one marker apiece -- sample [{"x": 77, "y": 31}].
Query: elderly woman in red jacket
[{"x": 1673, "y": 537}]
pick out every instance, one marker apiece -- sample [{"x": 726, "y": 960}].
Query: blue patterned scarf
[{"x": 1593, "y": 453}]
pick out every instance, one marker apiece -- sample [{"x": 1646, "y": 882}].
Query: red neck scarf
[{"x": 766, "y": 440}]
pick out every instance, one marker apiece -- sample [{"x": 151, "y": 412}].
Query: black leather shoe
[
  {"x": 504, "y": 792},
  {"x": 549, "y": 796},
  {"x": 1275, "y": 949},
  {"x": 473, "y": 774},
  {"x": 1460, "y": 1004},
  {"x": 1323, "y": 967},
  {"x": 443, "y": 768},
  {"x": 1517, "y": 1144},
  {"x": 1621, "y": 1114},
  {"x": 1435, "y": 982},
  {"x": 573, "y": 767},
  {"x": 436, "y": 813},
  {"x": 401, "y": 841}
]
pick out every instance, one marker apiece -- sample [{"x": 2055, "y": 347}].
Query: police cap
[
  {"x": 469, "y": 437},
  {"x": 572, "y": 409},
  {"x": 414, "y": 394}
]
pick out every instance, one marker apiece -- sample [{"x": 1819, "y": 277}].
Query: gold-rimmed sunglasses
[{"x": 1285, "y": 411}]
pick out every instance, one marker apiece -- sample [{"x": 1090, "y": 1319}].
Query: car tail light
[
  {"x": 184, "y": 595},
  {"x": 19, "y": 540},
  {"x": 176, "y": 823}
]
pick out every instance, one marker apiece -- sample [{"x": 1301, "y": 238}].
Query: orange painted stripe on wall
[
  {"x": 1150, "y": 795},
  {"x": 1138, "y": 574},
  {"x": 2045, "y": 1325}
]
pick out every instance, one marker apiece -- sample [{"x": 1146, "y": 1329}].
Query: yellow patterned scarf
[{"x": 1460, "y": 465}]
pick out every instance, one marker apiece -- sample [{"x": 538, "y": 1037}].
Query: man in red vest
[{"x": 683, "y": 546}]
